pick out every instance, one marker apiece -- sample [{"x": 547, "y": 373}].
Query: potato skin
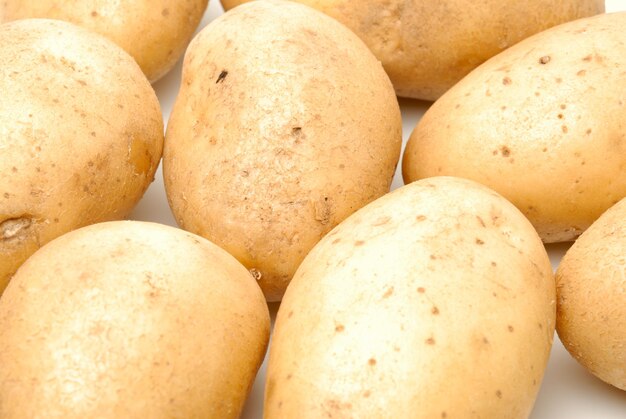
[
  {"x": 542, "y": 123},
  {"x": 436, "y": 300},
  {"x": 591, "y": 291},
  {"x": 81, "y": 134},
  {"x": 428, "y": 46},
  {"x": 278, "y": 134},
  {"x": 154, "y": 32},
  {"x": 130, "y": 320}
]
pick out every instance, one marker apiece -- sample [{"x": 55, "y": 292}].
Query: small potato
[
  {"x": 130, "y": 320},
  {"x": 154, "y": 32},
  {"x": 284, "y": 125},
  {"x": 427, "y": 46},
  {"x": 591, "y": 291},
  {"x": 81, "y": 134},
  {"x": 542, "y": 123},
  {"x": 436, "y": 300}
]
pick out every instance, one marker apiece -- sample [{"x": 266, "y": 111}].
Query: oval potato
[
  {"x": 591, "y": 291},
  {"x": 427, "y": 46},
  {"x": 154, "y": 32},
  {"x": 277, "y": 135},
  {"x": 436, "y": 300},
  {"x": 542, "y": 123},
  {"x": 130, "y": 320},
  {"x": 81, "y": 134}
]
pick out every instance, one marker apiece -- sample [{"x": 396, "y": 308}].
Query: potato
[
  {"x": 591, "y": 291},
  {"x": 428, "y": 46},
  {"x": 434, "y": 301},
  {"x": 154, "y": 32},
  {"x": 81, "y": 134},
  {"x": 130, "y": 320},
  {"x": 284, "y": 125},
  {"x": 542, "y": 123}
]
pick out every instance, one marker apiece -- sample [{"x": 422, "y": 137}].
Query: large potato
[
  {"x": 542, "y": 123},
  {"x": 154, "y": 32},
  {"x": 434, "y": 301},
  {"x": 130, "y": 320},
  {"x": 81, "y": 134},
  {"x": 591, "y": 291},
  {"x": 284, "y": 125},
  {"x": 427, "y": 46}
]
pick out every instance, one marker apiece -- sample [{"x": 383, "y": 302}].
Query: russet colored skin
[
  {"x": 427, "y": 46},
  {"x": 154, "y": 32},
  {"x": 541, "y": 123},
  {"x": 81, "y": 134},
  {"x": 591, "y": 290},
  {"x": 436, "y": 300},
  {"x": 130, "y": 320},
  {"x": 278, "y": 134}
]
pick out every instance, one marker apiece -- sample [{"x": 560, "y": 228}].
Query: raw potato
[
  {"x": 130, "y": 320},
  {"x": 434, "y": 301},
  {"x": 279, "y": 132},
  {"x": 81, "y": 134},
  {"x": 427, "y": 46},
  {"x": 154, "y": 32},
  {"x": 542, "y": 123},
  {"x": 591, "y": 290}
]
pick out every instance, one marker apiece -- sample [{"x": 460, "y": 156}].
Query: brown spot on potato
[
  {"x": 563, "y": 106},
  {"x": 290, "y": 314},
  {"x": 421, "y": 290},
  {"x": 581, "y": 73},
  {"x": 430, "y": 341},
  {"x": 165, "y": 12},
  {"x": 340, "y": 328},
  {"x": 588, "y": 58},
  {"x": 507, "y": 81},
  {"x": 371, "y": 362},
  {"x": 420, "y": 218},
  {"x": 505, "y": 151},
  {"x": 435, "y": 311},
  {"x": 388, "y": 293},
  {"x": 288, "y": 376},
  {"x": 485, "y": 340},
  {"x": 544, "y": 60},
  {"x": 94, "y": 13},
  {"x": 359, "y": 243},
  {"x": 381, "y": 221},
  {"x": 481, "y": 221},
  {"x": 510, "y": 328},
  {"x": 6, "y": 195},
  {"x": 479, "y": 242},
  {"x": 498, "y": 394},
  {"x": 367, "y": 393},
  {"x": 221, "y": 77},
  {"x": 560, "y": 116},
  {"x": 588, "y": 131},
  {"x": 564, "y": 129},
  {"x": 444, "y": 415}
]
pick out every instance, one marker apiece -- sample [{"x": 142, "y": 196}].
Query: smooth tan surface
[
  {"x": 154, "y": 32},
  {"x": 278, "y": 134},
  {"x": 542, "y": 123},
  {"x": 130, "y": 320},
  {"x": 427, "y": 46},
  {"x": 81, "y": 134},
  {"x": 437, "y": 300},
  {"x": 591, "y": 290}
]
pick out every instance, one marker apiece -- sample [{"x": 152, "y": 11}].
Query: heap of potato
[{"x": 278, "y": 160}]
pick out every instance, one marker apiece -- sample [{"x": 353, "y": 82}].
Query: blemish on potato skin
[
  {"x": 430, "y": 341},
  {"x": 420, "y": 218},
  {"x": 505, "y": 151},
  {"x": 367, "y": 393},
  {"x": 337, "y": 240},
  {"x": 479, "y": 242},
  {"x": 388, "y": 293},
  {"x": 359, "y": 243},
  {"x": 510, "y": 328},
  {"x": 435, "y": 311},
  {"x": 507, "y": 81},
  {"x": 340, "y": 328},
  {"x": 221, "y": 77},
  {"x": 165, "y": 12},
  {"x": 498, "y": 394},
  {"x": 371, "y": 362},
  {"x": 290, "y": 314},
  {"x": 421, "y": 290},
  {"x": 581, "y": 73},
  {"x": 564, "y": 129},
  {"x": 544, "y": 60}
]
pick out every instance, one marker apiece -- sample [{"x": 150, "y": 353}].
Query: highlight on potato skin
[
  {"x": 154, "y": 32},
  {"x": 130, "y": 320},
  {"x": 542, "y": 123},
  {"x": 391, "y": 313},
  {"x": 591, "y": 291},
  {"x": 81, "y": 134},
  {"x": 278, "y": 134},
  {"x": 427, "y": 46}
]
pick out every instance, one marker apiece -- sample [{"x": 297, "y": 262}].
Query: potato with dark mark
[
  {"x": 591, "y": 291},
  {"x": 155, "y": 32},
  {"x": 278, "y": 133},
  {"x": 542, "y": 123},
  {"x": 130, "y": 320},
  {"x": 427, "y": 46},
  {"x": 81, "y": 134},
  {"x": 436, "y": 300}
]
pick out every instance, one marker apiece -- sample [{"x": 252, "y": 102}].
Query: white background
[{"x": 567, "y": 392}]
